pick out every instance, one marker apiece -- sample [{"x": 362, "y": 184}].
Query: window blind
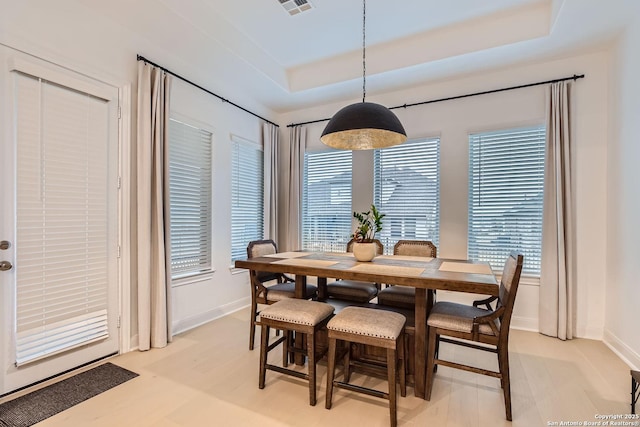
[
  {"x": 63, "y": 250},
  {"x": 247, "y": 196},
  {"x": 190, "y": 199},
  {"x": 406, "y": 189},
  {"x": 506, "y": 177},
  {"x": 326, "y": 201}
]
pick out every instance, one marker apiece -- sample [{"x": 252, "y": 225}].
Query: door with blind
[{"x": 59, "y": 284}]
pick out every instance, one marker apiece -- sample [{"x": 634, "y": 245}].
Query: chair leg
[
  {"x": 435, "y": 367},
  {"x": 331, "y": 366},
  {"x": 264, "y": 344},
  {"x": 292, "y": 354},
  {"x": 311, "y": 362},
  {"x": 402, "y": 364},
  {"x": 252, "y": 324},
  {"x": 504, "y": 371},
  {"x": 392, "y": 378},
  {"x": 285, "y": 348},
  {"x": 347, "y": 362},
  {"x": 433, "y": 342},
  {"x": 499, "y": 353}
]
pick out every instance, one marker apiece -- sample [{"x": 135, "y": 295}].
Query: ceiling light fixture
[{"x": 364, "y": 125}]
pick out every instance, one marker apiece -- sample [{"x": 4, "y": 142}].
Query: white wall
[
  {"x": 66, "y": 33},
  {"x": 454, "y": 120},
  {"x": 623, "y": 201},
  {"x": 227, "y": 289}
]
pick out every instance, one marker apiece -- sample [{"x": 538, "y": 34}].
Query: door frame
[{"x": 123, "y": 208}]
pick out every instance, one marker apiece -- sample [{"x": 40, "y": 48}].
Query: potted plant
[{"x": 369, "y": 223}]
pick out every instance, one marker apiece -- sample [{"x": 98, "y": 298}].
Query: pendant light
[{"x": 364, "y": 125}]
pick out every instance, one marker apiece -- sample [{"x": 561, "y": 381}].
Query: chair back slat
[
  {"x": 260, "y": 248},
  {"x": 423, "y": 248},
  {"x": 508, "y": 288}
]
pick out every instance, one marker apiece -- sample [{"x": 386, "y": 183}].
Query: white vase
[{"x": 364, "y": 251}]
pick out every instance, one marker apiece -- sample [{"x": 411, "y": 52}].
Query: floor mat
[{"x": 41, "y": 404}]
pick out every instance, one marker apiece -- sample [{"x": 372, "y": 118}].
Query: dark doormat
[{"x": 41, "y": 404}]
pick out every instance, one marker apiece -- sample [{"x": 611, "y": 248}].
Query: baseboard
[
  {"x": 202, "y": 318},
  {"x": 590, "y": 333},
  {"x": 525, "y": 323},
  {"x": 531, "y": 324},
  {"x": 626, "y": 353}
]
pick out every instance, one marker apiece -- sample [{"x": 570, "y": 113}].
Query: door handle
[
  {"x": 5, "y": 265},
  {"x": 4, "y": 245}
]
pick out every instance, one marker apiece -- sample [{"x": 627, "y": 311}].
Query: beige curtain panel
[
  {"x": 270, "y": 146},
  {"x": 153, "y": 237},
  {"x": 557, "y": 281},
  {"x": 291, "y": 240}
]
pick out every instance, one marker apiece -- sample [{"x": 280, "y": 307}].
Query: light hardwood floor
[{"x": 208, "y": 377}]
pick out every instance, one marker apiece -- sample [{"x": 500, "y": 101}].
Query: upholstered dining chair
[
  {"x": 483, "y": 325},
  {"x": 354, "y": 290},
  {"x": 405, "y": 296},
  {"x": 261, "y": 292}
]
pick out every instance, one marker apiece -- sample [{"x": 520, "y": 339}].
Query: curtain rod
[
  {"x": 574, "y": 77},
  {"x": 142, "y": 58}
]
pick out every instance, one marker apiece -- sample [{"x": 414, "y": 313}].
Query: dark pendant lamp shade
[{"x": 363, "y": 126}]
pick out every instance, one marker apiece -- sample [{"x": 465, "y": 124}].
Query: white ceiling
[{"x": 288, "y": 62}]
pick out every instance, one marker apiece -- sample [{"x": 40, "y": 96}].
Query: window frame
[
  {"x": 198, "y": 276},
  {"x": 377, "y": 187},
  {"x": 238, "y": 140},
  {"x": 340, "y": 244},
  {"x": 529, "y": 276}
]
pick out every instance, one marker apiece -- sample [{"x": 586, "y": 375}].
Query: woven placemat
[{"x": 465, "y": 267}]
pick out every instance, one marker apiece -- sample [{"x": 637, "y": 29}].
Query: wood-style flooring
[{"x": 208, "y": 377}]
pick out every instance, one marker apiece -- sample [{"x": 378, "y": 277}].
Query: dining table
[{"x": 424, "y": 274}]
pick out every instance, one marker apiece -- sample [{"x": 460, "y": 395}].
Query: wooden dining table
[{"x": 424, "y": 274}]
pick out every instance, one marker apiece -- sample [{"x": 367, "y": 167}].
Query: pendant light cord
[{"x": 364, "y": 63}]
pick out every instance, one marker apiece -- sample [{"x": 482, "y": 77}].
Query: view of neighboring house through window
[
  {"x": 247, "y": 196},
  {"x": 406, "y": 189},
  {"x": 190, "y": 197},
  {"x": 506, "y": 175},
  {"x": 326, "y": 201}
]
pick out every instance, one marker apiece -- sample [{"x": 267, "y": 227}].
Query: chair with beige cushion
[
  {"x": 368, "y": 326},
  {"x": 261, "y": 293},
  {"x": 483, "y": 325},
  {"x": 405, "y": 296},
  {"x": 299, "y": 316},
  {"x": 354, "y": 290}
]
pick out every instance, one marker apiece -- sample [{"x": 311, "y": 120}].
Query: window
[
  {"x": 190, "y": 196},
  {"x": 506, "y": 175},
  {"x": 65, "y": 228},
  {"x": 406, "y": 189},
  {"x": 247, "y": 196},
  {"x": 326, "y": 201}
]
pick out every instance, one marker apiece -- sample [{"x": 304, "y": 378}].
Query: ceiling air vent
[{"x": 294, "y": 7}]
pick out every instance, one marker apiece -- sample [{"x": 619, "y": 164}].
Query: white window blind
[
  {"x": 247, "y": 196},
  {"x": 506, "y": 176},
  {"x": 190, "y": 197},
  {"x": 326, "y": 201},
  {"x": 63, "y": 234},
  {"x": 406, "y": 189}
]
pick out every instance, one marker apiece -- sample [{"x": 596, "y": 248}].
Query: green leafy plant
[{"x": 369, "y": 223}]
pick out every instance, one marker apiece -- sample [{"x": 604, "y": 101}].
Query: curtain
[
  {"x": 557, "y": 281},
  {"x": 153, "y": 237},
  {"x": 291, "y": 240},
  {"x": 270, "y": 139}
]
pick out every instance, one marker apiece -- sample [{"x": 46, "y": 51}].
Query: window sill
[
  {"x": 195, "y": 278},
  {"x": 233, "y": 270}
]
